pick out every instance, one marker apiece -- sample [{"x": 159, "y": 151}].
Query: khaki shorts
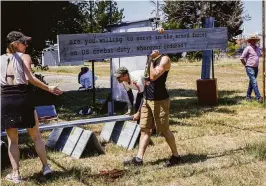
[{"x": 155, "y": 114}]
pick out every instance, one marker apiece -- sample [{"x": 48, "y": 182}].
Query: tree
[
  {"x": 102, "y": 15},
  {"x": 189, "y": 14},
  {"x": 44, "y": 20}
]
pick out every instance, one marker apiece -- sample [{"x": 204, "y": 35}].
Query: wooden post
[{"x": 263, "y": 49}]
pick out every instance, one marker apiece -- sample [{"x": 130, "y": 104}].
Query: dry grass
[{"x": 222, "y": 145}]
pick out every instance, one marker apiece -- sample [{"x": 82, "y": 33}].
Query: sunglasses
[{"x": 24, "y": 42}]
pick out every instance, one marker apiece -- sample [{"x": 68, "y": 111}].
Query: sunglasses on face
[{"x": 24, "y": 42}]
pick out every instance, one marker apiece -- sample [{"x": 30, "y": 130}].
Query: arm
[
  {"x": 156, "y": 72},
  {"x": 137, "y": 114},
  {"x": 130, "y": 97},
  {"x": 35, "y": 81},
  {"x": 243, "y": 56},
  {"x": 243, "y": 61}
]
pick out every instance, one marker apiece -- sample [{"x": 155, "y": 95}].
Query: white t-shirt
[
  {"x": 86, "y": 79},
  {"x": 136, "y": 81}
]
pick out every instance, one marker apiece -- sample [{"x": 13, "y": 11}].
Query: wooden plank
[
  {"x": 72, "y": 140},
  {"x": 135, "y": 138},
  {"x": 63, "y": 138},
  {"x": 107, "y": 131},
  {"x": 77, "y": 123},
  {"x": 207, "y": 54},
  {"x": 82, "y": 143},
  {"x": 206, "y": 64},
  {"x": 94, "y": 145},
  {"x": 127, "y": 134},
  {"x": 80, "y": 47},
  {"x": 117, "y": 131},
  {"x": 53, "y": 137},
  {"x": 111, "y": 131}
]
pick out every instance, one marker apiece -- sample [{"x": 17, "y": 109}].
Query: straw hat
[{"x": 253, "y": 37}]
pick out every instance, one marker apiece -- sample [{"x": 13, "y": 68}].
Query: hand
[
  {"x": 55, "y": 90},
  {"x": 244, "y": 63},
  {"x": 154, "y": 54},
  {"x": 160, "y": 30},
  {"x": 136, "y": 116},
  {"x": 129, "y": 112}
]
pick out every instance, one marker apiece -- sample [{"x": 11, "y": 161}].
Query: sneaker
[
  {"x": 248, "y": 99},
  {"x": 135, "y": 161},
  {"x": 174, "y": 160},
  {"x": 260, "y": 100},
  {"x": 14, "y": 179},
  {"x": 47, "y": 170}
]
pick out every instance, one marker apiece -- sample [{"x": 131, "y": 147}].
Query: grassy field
[{"x": 221, "y": 145}]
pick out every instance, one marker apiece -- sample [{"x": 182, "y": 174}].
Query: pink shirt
[{"x": 251, "y": 55}]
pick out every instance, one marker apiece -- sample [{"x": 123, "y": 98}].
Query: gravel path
[{"x": 68, "y": 82}]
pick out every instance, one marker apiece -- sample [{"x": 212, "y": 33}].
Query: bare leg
[
  {"x": 144, "y": 142},
  {"x": 170, "y": 139},
  {"x": 13, "y": 150},
  {"x": 38, "y": 142}
]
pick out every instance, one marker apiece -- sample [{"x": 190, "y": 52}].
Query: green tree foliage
[
  {"x": 191, "y": 14},
  {"x": 44, "y": 20},
  {"x": 102, "y": 12},
  {"x": 232, "y": 48}
]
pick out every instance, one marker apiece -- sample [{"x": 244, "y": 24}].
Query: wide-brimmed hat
[
  {"x": 253, "y": 37},
  {"x": 16, "y": 36},
  {"x": 121, "y": 71}
]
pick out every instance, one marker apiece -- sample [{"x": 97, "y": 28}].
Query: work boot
[{"x": 174, "y": 160}]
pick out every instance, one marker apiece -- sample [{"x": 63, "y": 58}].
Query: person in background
[
  {"x": 250, "y": 59},
  {"x": 132, "y": 81},
  {"x": 16, "y": 104},
  {"x": 85, "y": 78}
]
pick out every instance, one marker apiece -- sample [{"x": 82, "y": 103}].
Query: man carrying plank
[
  {"x": 155, "y": 109},
  {"x": 133, "y": 80}
]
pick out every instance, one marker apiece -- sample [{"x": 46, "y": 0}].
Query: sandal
[{"x": 14, "y": 179}]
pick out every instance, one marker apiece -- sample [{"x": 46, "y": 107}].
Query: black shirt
[{"x": 156, "y": 90}]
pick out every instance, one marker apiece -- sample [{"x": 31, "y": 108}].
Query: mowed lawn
[{"x": 221, "y": 145}]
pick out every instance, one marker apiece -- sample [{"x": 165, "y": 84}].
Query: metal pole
[
  {"x": 263, "y": 50},
  {"x": 111, "y": 67},
  {"x": 93, "y": 70},
  {"x": 157, "y": 14},
  {"x": 93, "y": 85}
]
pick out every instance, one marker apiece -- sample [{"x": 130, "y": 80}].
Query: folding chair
[{"x": 46, "y": 112}]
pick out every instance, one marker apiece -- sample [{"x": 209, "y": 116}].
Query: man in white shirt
[
  {"x": 132, "y": 80},
  {"x": 85, "y": 78}
]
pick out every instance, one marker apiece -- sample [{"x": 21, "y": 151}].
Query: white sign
[{"x": 80, "y": 47}]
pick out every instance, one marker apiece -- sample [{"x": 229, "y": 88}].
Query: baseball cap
[
  {"x": 120, "y": 71},
  {"x": 16, "y": 36}
]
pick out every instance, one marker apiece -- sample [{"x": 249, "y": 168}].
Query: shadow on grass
[
  {"x": 78, "y": 174},
  {"x": 188, "y": 107},
  {"x": 192, "y": 92},
  {"x": 189, "y": 158}
]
